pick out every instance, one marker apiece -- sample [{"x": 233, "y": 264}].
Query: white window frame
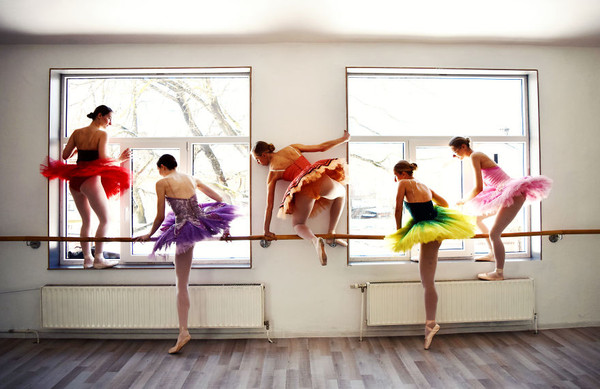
[
  {"x": 530, "y": 138},
  {"x": 57, "y": 141}
]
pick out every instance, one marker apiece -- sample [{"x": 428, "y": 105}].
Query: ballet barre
[{"x": 34, "y": 241}]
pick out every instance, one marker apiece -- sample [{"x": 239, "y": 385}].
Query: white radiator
[
  {"x": 396, "y": 303},
  {"x": 114, "y": 307}
]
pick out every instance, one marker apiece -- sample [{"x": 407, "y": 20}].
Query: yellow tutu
[{"x": 448, "y": 224}]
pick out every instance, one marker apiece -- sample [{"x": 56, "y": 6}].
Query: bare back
[
  {"x": 179, "y": 185},
  {"x": 284, "y": 158},
  {"x": 416, "y": 192},
  {"x": 87, "y": 138}
]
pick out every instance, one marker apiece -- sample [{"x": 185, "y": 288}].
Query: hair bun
[{"x": 90, "y": 115}]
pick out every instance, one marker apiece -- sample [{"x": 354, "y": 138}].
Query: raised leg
[
  {"x": 303, "y": 207},
  {"x": 484, "y": 229},
  {"x": 336, "y": 192}
]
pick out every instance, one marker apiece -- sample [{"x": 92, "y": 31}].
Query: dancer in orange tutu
[
  {"x": 311, "y": 188},
  {"x": 93, "y": 180}
]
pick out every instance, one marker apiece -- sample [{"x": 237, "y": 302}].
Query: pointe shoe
[
  {"x": 180, "y": 344},
  {"x": 485, "y": 258},
  {"x": 430, "y": 335},
  {"x": 321, "y": 252},
  {"x": 491, "y": 276},
  {"x": 337, "y": 242},
  {"x": 103, "y": 264}
]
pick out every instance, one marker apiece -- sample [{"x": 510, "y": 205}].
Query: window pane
[
  {"x": 372, "y": 195},
  {"x": 511, "y": 157},
  {"x": 143, "y": 194},
  {"x": 442, "y": 175},
  {"x": 226, "y": 168},
  {"x": 436, "y": 105},
  {"x": 163, "y": 107}
]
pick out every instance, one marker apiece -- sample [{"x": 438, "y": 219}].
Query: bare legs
[
  {"x": 503, "y": 219},
  {"x": 428, "y": 256},
  {"x": 483, "y": 228},
  {"x": 92, "y": 197},
  {"x": 183, "y": 266},
  {"x": 331, "y": 190}
]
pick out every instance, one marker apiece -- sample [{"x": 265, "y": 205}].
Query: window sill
[
  {"x": 163, "y": 266},
  {"x": 534, "y": 257}
]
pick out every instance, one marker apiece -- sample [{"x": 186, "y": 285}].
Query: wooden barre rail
[{"x": 284, "y": 237}]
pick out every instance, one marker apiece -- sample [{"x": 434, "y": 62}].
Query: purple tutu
[
  {"x": 191, "y": 222},
  {"x": 500, "y": 189}
]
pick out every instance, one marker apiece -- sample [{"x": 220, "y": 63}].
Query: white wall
[{"x": 299, "y": 96}]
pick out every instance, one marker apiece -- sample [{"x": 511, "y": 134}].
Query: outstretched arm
[
  {"x": 439, "y": 200},
  {"x": 70, "y": 147},
  {"x": 323, "y": 146},
  {"x": 271, "y": 184},
  {"x": 160, "y": 211},
  {"x": 476, "y": 159},
  {"x": 207, "y": 190},
  {"x": 399, "y": 204}
]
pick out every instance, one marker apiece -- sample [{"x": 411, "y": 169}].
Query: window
[
  {"x": 201, "y": 116},
  {"x": 398, "y": 113}
]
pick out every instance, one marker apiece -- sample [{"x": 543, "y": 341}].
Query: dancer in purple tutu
[
  {"x": 189, "y": 223},
  {"x": 496, "y": 193}
]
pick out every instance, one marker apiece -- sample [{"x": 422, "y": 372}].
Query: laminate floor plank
[{"x": 562, "y": 358}]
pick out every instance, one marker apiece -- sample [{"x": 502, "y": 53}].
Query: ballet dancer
[
  {"x": 495, "y": 193},
  {"x": 429, "y": 225},
  {"x": 189, "y": 223},
  {"x": 92, "y": 181},
  {"x": 311, "y": 188}
]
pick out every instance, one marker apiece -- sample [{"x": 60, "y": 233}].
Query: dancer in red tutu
[
  {"x": 311, "y": 188},
  {"x": 92, "y": 180},
  {"x": 496, "y": 193},
  {"x": 189, "y": 223}
]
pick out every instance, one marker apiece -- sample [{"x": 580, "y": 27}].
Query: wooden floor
[{"x": 565, "y": 358}]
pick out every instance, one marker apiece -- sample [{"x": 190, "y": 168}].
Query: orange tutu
[
  {"x": 115, "y": 179},
  {"x": 308, "y": 182}
]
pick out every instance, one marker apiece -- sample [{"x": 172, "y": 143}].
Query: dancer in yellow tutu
[{"x": 430, "y": 225}]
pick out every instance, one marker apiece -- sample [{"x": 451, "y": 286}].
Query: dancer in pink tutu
[
  {"x": 93, "y": 180},
  {"x": 496, "y": 193},
  {"x": 311, "y": 189},
  {"x": 189, "y": 223}
]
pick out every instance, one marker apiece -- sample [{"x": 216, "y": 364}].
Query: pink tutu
[{"x": 500, "y": 189}]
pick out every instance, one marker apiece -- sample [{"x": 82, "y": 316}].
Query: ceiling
[{"x": 546, "y": 22}]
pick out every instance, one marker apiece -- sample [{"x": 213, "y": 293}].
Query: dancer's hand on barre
[
  {"x": 226, "y": 236},
  {"x": 270, "y": 236},
  {"x": 143, "y": 238}
]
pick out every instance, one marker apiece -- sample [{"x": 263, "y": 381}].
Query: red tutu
[{"x": 115, "y": 179}]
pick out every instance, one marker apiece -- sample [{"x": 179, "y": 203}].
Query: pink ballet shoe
[
  {"x": 321, "y": 252},
  {"x": 337, "y": 242},
  {"x": 429, "y": 336},
  {"x": 103, "y": 264},
  {"x": 491, "y": 276},
  {"x": 485, "y": 258},
  {"x": 180, "y": 343}
]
